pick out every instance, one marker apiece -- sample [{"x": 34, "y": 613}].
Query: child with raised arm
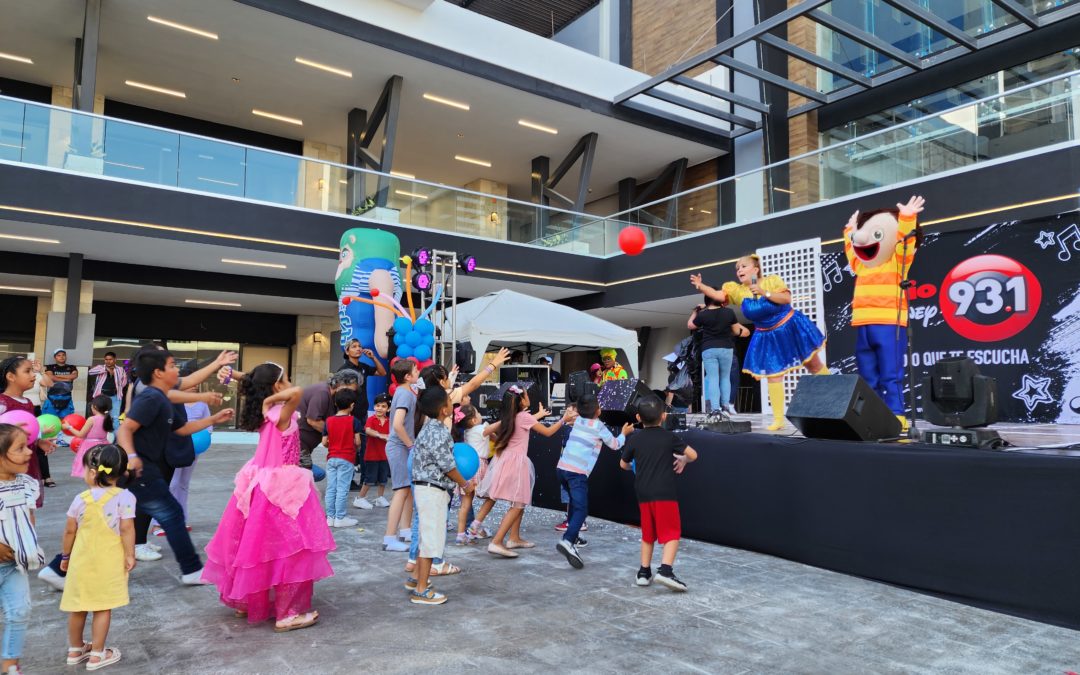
[
  {"x": 658, "y": 455},
  {"x": 98, "y": 553}
]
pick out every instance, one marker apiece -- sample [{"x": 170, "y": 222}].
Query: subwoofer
[{"x": 841, "y": 407}]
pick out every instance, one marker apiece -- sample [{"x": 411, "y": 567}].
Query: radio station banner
[{"x": 1007, "y": 295}]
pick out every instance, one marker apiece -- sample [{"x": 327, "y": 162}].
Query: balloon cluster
[{"x": 414, "y": 339}]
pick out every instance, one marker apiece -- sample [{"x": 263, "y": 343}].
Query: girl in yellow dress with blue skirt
[
  {"x": 98, "y": 553},
  {"x": 784, "y": 338}
]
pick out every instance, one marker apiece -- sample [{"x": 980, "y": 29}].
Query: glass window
[
  {"x": 140, "y": 153},
  {"x": 272, "y": 177},
  {"x": 11, "y": 130},
  {"x": 211, "y": 166},
  {"x": 974, "y": 17}
]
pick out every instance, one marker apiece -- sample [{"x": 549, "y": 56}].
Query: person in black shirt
[
  {"x": 353, "y": 352},
  {"x": 657, "y": 455},
  {"x": 718, "y": 326}
]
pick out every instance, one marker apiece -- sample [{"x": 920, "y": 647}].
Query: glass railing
[
  {"x": 1027, "y": 118},
  {"x": 1024, "y": 119}
]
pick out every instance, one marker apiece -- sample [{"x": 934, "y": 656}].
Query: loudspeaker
[
  {"x": 530, "y": 388},
  {"x": 580, "y": 384},
  {"x": 541, "y": 375},
  {"x": 618, "y": 400},
  {"x": 841, "y": 407},
  {"x": 465, "y": 356}
]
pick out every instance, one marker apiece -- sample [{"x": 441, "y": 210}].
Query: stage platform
[{"x": 994, "y": 529}]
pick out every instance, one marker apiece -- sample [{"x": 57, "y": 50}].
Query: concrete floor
[{"x": 744, "y": 612}]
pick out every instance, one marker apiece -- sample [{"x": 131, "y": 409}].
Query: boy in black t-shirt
[{"x": 658, "y": 455}]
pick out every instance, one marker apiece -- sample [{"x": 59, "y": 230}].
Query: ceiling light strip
[
  {"x": 14, "y": 57},
  {"x": 322, "y": 66},
  {"x": 538, "y": 127},
  {"x": 179, "y": 26},
  {"x": 216, "y": 303},
  {"x": 25, "y": 288},
  {"x": 405, "y": 193},
  {"x": 470, "y": 160},
  {"x": 153, "y": 88},
  {"x": 446, "y": 101},
  {"x": 20, "y": 237},
  {"x": 254, "y": 263},
  {"x": 280, "y": 118},
  {"x": 402, "y": 174}
]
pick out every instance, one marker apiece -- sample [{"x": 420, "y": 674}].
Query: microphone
[{"x": 753, "y": 282}]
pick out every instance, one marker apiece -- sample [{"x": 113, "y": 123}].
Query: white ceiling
[{"x": 258, "y": 48}]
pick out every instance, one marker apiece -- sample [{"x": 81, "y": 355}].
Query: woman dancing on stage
[{"x": 783, "y": 340}]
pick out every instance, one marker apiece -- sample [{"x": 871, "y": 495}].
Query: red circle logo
[{"x": 989, "y": 298}]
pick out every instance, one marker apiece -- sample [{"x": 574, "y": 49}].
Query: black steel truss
[
  {"x": 544, "y": 180},
  {"x": 721, "y": 105},
  {"x": 362, "y": 128}
]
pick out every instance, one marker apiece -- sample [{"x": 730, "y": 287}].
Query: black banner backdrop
[{"x": 1007, "y": 295}]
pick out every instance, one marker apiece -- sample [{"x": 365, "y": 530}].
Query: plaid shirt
[{"x": 99, "y": 381}]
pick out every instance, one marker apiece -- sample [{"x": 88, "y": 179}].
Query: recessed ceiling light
[
  {"x": 470, "y": 160},
  {"x": 25, "y": 288},
  {"x": 216, "y": 303},
  {"x": 446, "y": 101},
  {"x": 233, "y": 261},
  {"x": 538, "y": 127},
  {"x": 704, "y": 211},
  {"x": 403, "y": 193},
  {"x": 13, "y": 57},
  {"x": 343, "y": 181},
  {"x": 160, "y": 90},
  {"x": 322, "y": 66},
  {"x": 20, "y": 237},
  {"x": 180, "y": 26},
  {"x": 402, "y": 174},
  {"x": 279, "y": 118}
]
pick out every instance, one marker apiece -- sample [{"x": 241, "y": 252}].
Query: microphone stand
[{"x": 905, "y": 284}]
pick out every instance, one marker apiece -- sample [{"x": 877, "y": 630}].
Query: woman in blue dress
[{"x": 784, "y": 338}]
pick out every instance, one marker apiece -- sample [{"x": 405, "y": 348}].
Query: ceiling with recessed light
[{"x": 264, "y": 62}]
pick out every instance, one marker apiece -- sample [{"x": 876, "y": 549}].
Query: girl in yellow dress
[{"x": 98, "y": 553}]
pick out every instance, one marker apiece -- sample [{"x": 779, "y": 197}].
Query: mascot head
[{"x": 876, "y": 236}]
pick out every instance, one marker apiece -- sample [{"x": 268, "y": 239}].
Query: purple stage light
[{"x": 467, "y": 263}]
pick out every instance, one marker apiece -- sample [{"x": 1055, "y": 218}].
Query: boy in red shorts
[{"x": 658, "y": 455}]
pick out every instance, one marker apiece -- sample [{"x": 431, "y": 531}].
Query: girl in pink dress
[
  {"x": 272, "y": 542},
  {"x": 511, "y": 477},
  {"x": 94, "y": 432}
]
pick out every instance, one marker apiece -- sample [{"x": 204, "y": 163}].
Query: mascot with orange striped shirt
[{"x": 880, "y": 247}]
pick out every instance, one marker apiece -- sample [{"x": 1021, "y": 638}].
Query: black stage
[{"x": 992, "y": 529}]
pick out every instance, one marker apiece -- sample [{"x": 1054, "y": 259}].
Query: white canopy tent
[{"x": 517, "y": 321}]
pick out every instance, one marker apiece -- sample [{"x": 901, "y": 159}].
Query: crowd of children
[{"x": 273, "y": 538}]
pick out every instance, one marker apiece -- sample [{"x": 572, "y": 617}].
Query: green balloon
[{"x": 50, "y": 426}]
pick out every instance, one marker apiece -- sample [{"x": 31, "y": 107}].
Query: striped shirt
[
  {"x": 583, "y": 446},
  {"x": 878, "y": 297},
  {"x": 101, "y": 373},
  {"x": 17, "y": 500}
]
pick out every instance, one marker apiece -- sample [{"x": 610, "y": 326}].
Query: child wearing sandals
[
  {"x": 511, "y": 477},
  {"x": 434, "y": 473},
  {"x": 19, "y": 548},
  {"x": 98, "y": 553}
]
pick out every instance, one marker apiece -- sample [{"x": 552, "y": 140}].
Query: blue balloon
[
  {"x": 402, "y": 325},
  {"x": 468, "y": 462},
  {"x": 201, "y": 439},
  {"x": 399, "y": 338},
  {"x": 405, "y": 351},
  {"x": 424, "y": 327},
  {"x": 413, "y": 339},
  {"x": 429, "y": 340},
  {"x": 422, "y": 352}
]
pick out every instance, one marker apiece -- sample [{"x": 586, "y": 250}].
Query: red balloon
[
  {"x": 346, "y": 300},
  {"x": 632, "y": 240},
  {"x": 393, "y": 387},
  {"x": 75, "y": 443},
  {"x": 76, "y": 421},
  {"x": 374, "y": 292}
]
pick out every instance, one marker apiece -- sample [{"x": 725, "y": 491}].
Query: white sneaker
[
  {"x": 392, "y": 544},
  {"x": 344, "y": 522},
  {"x": 405, "y": 536},
  {"x": 51, "y": 578},
  {"x": 330, "y": 521},
  {"x": 362, "y": 503},
  {"x": 153, "y": 547},
  {"x": 730, "y": 409},
  {"x": 193, "y": 579},
  {"x": 382, "y": 503},
  {"x": 144, "y": 553}
]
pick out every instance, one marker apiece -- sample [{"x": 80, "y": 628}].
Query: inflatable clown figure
[{"x": 880, "y": 247}]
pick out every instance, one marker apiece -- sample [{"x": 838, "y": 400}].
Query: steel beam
[
  {"x": 814, "y": 59},
  {"x": 766, "y": 76},
  {"x": 704, "y": 109},
  {"x": 86, "y": 54},
  {"x": 1019, "y": 11},
  {"x": 934, "y": 21},
  {"x": 869, "y": 39},
  {"x": 361, "y": 129},
  {"x": 717, "y": 92},
  {"x": 74, "y": 294}
]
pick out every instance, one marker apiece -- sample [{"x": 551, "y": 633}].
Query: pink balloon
[{"x": 27, "y": 421}]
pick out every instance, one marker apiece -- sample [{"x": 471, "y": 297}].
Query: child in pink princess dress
[
  {"x": 511, "y": 477},
  {"x": 272, "y": 542}
]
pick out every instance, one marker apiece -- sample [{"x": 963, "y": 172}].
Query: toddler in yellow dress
[{"x": 98, "y": 553}]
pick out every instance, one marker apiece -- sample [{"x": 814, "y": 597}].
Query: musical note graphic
[
  {"x": 1069, "y": 233},
  {"x": 832, "y": 274}
]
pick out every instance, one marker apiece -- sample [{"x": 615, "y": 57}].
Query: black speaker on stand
[
  {"x": 842, "y": 408},
  {"x": 618, "y": 400},
  {"x": 528, "y": 386},
  {"x": 580, "y": 384}
]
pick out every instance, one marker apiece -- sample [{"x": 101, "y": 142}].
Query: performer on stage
[
  {"x": 874, "y": 243},
  {"x": 613, "y": 370},
  {"x": 784, "y": 339}
]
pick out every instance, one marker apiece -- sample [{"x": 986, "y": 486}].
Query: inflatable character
[
  {"x": 880, "y": 247},
  {"x": 368, "y": 268}
]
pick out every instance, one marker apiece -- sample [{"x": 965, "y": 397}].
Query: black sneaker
[
  {"x": 644, "y": 577},
  {"x": 670, "y": 580},
  {"x": 580, "y": 543},
  {"x": 571, "y": 554}
]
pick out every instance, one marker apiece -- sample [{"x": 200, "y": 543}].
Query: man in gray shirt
[{"x": 316, "y": 404}]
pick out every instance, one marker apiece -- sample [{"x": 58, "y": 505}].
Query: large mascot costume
[
  {"x": 880, "y": 247},
  {"x": 368, "y": 269}
]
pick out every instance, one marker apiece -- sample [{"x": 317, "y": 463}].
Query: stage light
[
  {"x": 467, "y": 263},
  {"x": 955, "y": 395},
  {"x": 422, "y": 257},
  {"x": 421, "y": 281}
]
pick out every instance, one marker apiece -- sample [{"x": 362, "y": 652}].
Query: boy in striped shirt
[{"x": 577, "y": 462}]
